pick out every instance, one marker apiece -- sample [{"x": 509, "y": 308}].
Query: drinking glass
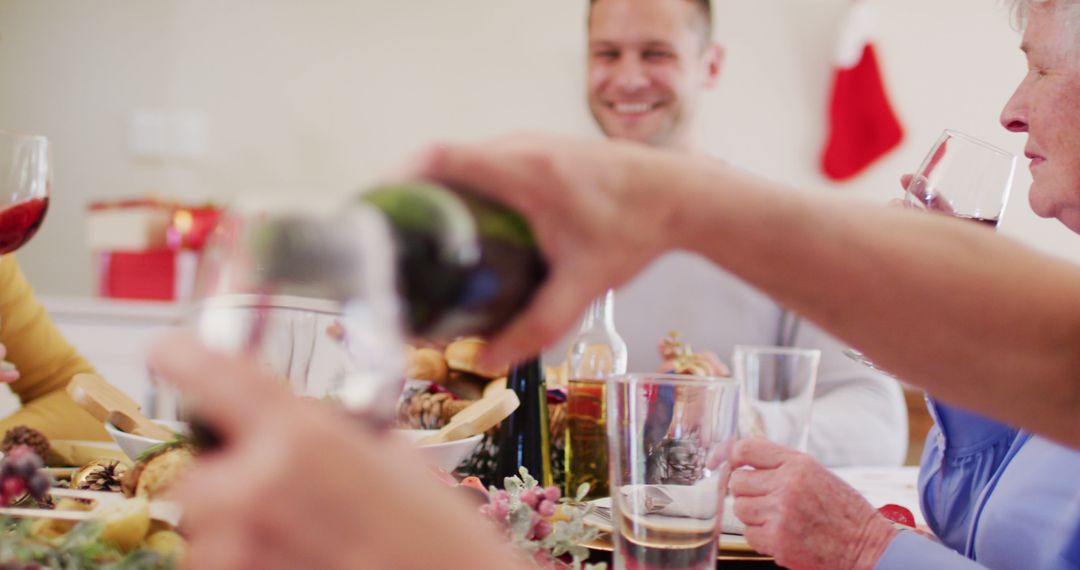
[
  {"x": 962, "y": 177},
  {"x": 325, "y": 323},
  {"x": 669, "y": 440},
  {"x": 777, "y": 392},
  {"x": 25, "y": 184}
]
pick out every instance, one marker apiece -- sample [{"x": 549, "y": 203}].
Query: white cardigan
[{"x": 859, "y": 416}]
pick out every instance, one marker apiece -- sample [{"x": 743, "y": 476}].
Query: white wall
[{"x": 321, "y": 96}]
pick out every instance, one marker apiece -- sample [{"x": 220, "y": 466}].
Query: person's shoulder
[{"x": 9, "y": 268}]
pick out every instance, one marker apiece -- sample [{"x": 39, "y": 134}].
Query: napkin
[
  {"x": 683, "y": 501},
  {"x": 670, "y": 500}
]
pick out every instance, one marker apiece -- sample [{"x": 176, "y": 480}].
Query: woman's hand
[
  {"x": 301, "y": 485},
  {"x": 8, "y": 372},
  {"x": 798, "y": 512}
]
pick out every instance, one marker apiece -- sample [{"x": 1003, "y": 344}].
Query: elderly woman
[{"x": 995, "y": 496}]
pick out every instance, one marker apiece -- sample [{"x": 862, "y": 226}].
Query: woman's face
[{"x": 1046, "y": 105}]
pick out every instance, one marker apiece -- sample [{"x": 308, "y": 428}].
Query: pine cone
[
  {"x": 425, "y": 410},
  {"x": 100, "y": 475},
  {"x": 483, "y": 461},
  {"x": 451, "y": 408},
  {"x": 677, "y": 462},
  {"x": 28, "y": 436}
]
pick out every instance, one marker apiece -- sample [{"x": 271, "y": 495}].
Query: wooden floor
[{"x": 919, "y": 423}]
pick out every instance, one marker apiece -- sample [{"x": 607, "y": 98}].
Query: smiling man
[{"x": 650, "y": 64}]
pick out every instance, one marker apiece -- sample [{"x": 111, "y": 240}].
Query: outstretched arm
[{"x": 975, "y": 318}]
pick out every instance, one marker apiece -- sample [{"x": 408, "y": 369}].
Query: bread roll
[
  {"x": 426, "y": 364},
  {"x": 466, "y": 386},
  {"x": 462, "y": 355}
]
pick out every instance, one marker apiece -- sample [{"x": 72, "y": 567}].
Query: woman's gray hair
[
  {"x": 1021, "y": 8},
  {"x": 1067, "y": 10}
]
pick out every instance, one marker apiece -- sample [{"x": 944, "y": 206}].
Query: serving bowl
[
  {"x": 446, "y": 455},
  {"x": 443, "y": 455},
  {"x": 134, "y": 445}
]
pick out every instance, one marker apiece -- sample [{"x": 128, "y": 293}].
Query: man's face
[
  {"x": 1046, "y": 105},
  {"x": 648, "y": 63}
]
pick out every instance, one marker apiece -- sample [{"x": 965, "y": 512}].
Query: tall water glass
[
  {"x": 777, "y": 392},
  {"x": 670, "y": 439}
]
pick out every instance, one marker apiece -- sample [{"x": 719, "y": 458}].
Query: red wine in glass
[
  {"x": 989, "y": 222},
  {"x": 25, "y": 183},
  {"x": 20, "y": 221}
]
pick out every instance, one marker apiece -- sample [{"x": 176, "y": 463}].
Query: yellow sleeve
[{"x": 45, "y": 360}]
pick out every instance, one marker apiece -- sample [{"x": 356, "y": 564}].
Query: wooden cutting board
[
  {"x": 108, "y": 404},
  {"x": 479, "y": 417}
]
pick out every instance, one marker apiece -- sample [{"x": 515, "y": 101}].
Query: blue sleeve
[
  {"x": 962, "y": 453},
  {"x": 909, "y": 550}
]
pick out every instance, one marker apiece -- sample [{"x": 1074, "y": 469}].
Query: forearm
[
  {"x": 58, "y": 417},
  {"x": 942, "y": 303}
]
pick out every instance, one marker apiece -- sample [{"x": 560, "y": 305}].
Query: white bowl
[
  {"x": 444, "y": 455},
  {"x": 134, "y": 445},
  {"x": 447, "y": 455}
]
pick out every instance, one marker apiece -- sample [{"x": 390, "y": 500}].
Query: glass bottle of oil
[{"x": 596, "y": 353}]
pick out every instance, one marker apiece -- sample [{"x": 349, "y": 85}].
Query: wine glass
[
  {"x": 265, "y": 289},
  {"x": 25, "y": 184},
  {"x": 962, "y": 177}
]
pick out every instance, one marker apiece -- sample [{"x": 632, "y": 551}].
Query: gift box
[{"x": 147, "y": 248}]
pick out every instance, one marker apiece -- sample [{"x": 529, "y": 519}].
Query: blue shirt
[{"x": 997, "y": 497}]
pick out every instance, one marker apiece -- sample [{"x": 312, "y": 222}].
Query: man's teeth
[{"x": 632, "y": 107}]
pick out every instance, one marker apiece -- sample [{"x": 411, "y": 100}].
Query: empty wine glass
[
  {"x": 962, "y": 177},
  {"x": 25, "y": 184},
  {"x": 255, "y": 296}
]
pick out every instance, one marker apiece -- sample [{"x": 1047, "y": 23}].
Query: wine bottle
[
  {"x": 595, "y": 354},
  {"x": 462, "y": 264},
  {"x": 523, "y": 437}
]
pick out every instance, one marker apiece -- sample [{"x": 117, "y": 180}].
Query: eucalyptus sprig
[
  {"x": 541, "y": 522},
  {"x": 80, "y": 548}
]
